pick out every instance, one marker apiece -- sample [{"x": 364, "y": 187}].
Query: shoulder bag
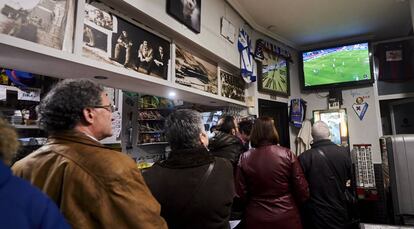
[{"x": 350, "y": 199}]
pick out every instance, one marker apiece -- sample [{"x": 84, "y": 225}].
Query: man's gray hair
[
  {"x": 183, "y": 128},
  {"x": 320, "y": 131},
  {"x": 62, "y": 108}
]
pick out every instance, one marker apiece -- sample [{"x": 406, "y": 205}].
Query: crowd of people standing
[{"x": 240, "y": 173}]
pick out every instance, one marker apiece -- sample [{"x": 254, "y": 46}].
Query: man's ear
[{"x": 88, "y": 115}]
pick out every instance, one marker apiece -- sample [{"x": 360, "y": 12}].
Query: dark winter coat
[
  {"x": 226, "y": 146},
  {"x": 326, "y": 206},
  {"x": 173, "y": 183},
  {"x": 270, "y": 180}
]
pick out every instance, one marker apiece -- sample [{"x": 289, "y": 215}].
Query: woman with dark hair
[
  {"x": 270, "y": 181},
  {"x": 225, "y": 142}
]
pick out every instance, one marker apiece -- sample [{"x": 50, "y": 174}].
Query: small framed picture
[
  {"x": 187, "y": 12},
  {"x": 195, "y": 72},
  {"x": 232, "y": 86},
  {"x": 273, "y": 75}
]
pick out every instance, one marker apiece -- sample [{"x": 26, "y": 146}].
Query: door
[{"x": 279, "y": 112}]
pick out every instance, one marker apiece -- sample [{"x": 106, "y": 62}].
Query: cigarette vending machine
[{"x": 397, "y": 153}]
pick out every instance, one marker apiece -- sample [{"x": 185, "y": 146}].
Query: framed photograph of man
[
  {"x": 273, "y": 74},
  {"x": 187, "y": 12},
  {"x": 337, "y": 121},
  {"x": 192, "y": 71},
  {"x": 232, "y": 86},
  {"x": 46, "y": 22},
  {"x": 113, "y": 40}
]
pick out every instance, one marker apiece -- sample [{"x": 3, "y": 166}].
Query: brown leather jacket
[
  {"x": 270, "y": 180},
  {"x": 94, "y": 187}
]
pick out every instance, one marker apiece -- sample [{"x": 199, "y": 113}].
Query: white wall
[
  {"x": 365, "y": 131},
  {"x": 209, "y": 37}
]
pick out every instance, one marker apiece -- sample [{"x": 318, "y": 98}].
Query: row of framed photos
[{"x": 112, "y": 39}]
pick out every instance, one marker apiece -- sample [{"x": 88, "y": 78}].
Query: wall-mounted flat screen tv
[{"x": 336, "y": 67}]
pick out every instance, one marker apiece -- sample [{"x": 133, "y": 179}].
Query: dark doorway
[{"x": 279, "y": 112}]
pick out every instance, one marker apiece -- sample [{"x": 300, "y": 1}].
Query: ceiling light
[
  {"x": 172, "y": 94},
  {"x": 100, "y": 77}
]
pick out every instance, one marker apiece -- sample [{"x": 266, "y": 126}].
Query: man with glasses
[{"x": 94, "y": 186}]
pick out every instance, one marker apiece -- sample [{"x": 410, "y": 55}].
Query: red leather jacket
[{"x": 271, "y": 182}]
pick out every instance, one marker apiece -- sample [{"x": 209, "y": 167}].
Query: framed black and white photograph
[
  {"x": 273, "y": 74},
  {"x": 232, "y": 85},
  {"x": 187, "y": 12},
  {"x": 195, "y": 72},
  {"x": 46, "y": 22},
  {"x": 111, "y": 39}
]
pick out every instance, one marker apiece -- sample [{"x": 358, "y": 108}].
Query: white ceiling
[{"x": 306, "y": 23}]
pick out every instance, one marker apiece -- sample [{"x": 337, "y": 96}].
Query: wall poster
[
  {"x": 195, "y": 72},
  {"x": 232, "y": 86},
  {"x": 111, "y": 39},
  {"x": 337, "y": 121},
  {"x": 46, "y": 22}
]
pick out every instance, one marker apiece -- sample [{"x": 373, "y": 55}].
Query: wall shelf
[
  {"x": 18, "y": 126},
  {"x": 153, "y": 143},
  {"x": 151, "y": 132}
]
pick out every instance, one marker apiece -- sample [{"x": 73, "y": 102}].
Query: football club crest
[{"x": 360, "y": 107}]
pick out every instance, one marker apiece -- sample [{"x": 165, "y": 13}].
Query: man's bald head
[{"x": 320, "y": 131}]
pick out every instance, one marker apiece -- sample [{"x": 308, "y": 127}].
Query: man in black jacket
[
  {"x": 326, "y": 207},
  {"x": 195, "y": 189}
]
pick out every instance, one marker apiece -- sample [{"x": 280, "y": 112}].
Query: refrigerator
[{"x": 397, "y": 152}]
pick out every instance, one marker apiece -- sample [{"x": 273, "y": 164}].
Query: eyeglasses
[{"x": 111, "y": 108}]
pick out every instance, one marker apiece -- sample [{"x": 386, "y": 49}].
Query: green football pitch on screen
[{"x": 337, "y": 67}]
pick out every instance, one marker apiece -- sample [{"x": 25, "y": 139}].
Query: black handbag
[{"x": 350, "y": 199}]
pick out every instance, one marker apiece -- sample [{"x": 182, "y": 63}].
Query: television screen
[{"x": 346, "y": 65}]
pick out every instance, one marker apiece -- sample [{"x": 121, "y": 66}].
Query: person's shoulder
[
  {"x": 223, "y": 163},
  {"x": 38, "y": 207},
  {"x": 280, "y": 149},
  {"x": 96, "y": 160},
  {"x": 109, "y": 161},
  {"x": 26, "y": 194},
  {"x": 46, "y": 152},
  {"x": 307, "y": 155}
]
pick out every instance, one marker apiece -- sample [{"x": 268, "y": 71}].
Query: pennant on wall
[
  {"x": 360, "y": 107},
  {"x": 247, "y": 64}
]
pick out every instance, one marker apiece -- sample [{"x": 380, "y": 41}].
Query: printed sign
[
  {"x": 116, "y": 123},
  {"x": 29, "y": 94},
  {"x": 3, "y": 93}
]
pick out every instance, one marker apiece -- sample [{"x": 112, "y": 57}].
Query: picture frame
[
  {"x": 188, "y": 12},
  {"x": 115, "y": 40},
  {"x": 337, "y": 121},
  {"x": 48, "y": 23},
  {"x": 273, "y": 74},
  {"x": 195, "y": 72},
  {"x": 232, "y": 85}
]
